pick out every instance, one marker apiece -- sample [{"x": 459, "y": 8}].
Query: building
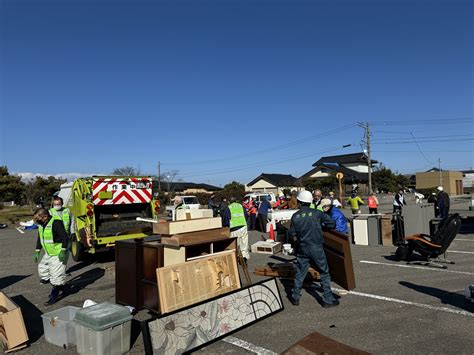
[
  {"x": 452, "y": 181},
  {"x": 353, "y": 166},
  {"x": 275, "y": 183},
  {"x": 468, "y": 181}
]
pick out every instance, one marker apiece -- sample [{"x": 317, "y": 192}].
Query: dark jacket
[
  {"x": 306, "y": 226},
  {"x": 443, "y": 200},
  {"x": 264, "y": 207},
  {"x": 225, "y": 214},
  {"x": 59, "y": 235}
]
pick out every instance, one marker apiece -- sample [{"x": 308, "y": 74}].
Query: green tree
[
  {"x": 235, "y": 189},
  {"x": 324, "y": 184},
  {"x": 11, "y": 186},
  {"x": 386, "y": 180},
  {"x": 45, "y": 188}
]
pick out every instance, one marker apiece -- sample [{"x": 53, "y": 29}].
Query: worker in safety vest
[
  {"x": 52, "y": 237},
  {"x": 399, "y": 201},
  {"x": 178, "y": 203},
  {"x": 355, "y": 202},
  {"x": 238, "y": 226},
  {"x": 373, "y": 203},
  {"x": 59, "y": 212},
  {"x": 252, "y": 211},
  {"x": 317, "y": 198}
]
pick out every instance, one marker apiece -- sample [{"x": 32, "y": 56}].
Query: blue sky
[{"x": 226, "y": 90}]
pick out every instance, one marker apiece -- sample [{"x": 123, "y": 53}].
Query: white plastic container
[
  {"x": 103, "y": 329},
  {"x": 59, "y": 326}
]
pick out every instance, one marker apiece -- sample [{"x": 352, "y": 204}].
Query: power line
[
  {"x": 274, "y": 148},
  {"x": 419, "y": 149},
  {"x": 426, "y": 137},
  {"x": 424, "y": 122},
  {"x": 427, "y": 141},
  {"x": 256, "y": 165}
]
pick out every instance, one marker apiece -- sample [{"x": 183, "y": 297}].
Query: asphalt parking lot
[{"x": 396, "y": 308}]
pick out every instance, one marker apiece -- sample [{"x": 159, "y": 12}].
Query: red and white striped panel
[{"x": 125, "y": 191}]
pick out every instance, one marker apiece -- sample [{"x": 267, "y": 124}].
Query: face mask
[{"x": 58, "y": 208}]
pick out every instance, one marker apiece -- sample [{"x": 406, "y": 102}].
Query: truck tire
[{"x": 77, "y": 249}]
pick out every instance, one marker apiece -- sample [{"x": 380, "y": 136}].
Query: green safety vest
[
  {"x": 237, "y": 216},
  {"x": 65, "y": 217},
  {"x": 320, "y": 208},
  {"x": 181, "y": 207},
  {"x": 46, "y": 238}
]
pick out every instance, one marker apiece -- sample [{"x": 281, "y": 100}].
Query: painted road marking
[
  {"x": 248, "y": 346},
  {"x": 417, "y": 267},
  {"x": 461, "y": 252},
  {"x": 463, "y": 240},
  {"x": 396, "y": 300}
]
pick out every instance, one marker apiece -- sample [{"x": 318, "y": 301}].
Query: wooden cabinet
[{"x": 152, "y": 259}]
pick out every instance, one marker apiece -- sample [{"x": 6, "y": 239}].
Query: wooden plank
[
  {"x": 194, "y": 281},
  {"x": 200, "y": 237},
  {"x": 173, "y": 256},
  {"x": 386, "y": 231},
  {"x": 338, "y": 254},
  {"x": 187, "y": 226},
  {"x": 317, "y": 343},
  {"x": 193, "y": 214}
]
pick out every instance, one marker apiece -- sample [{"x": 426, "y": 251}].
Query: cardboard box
[{"x": 13, "y": 334}]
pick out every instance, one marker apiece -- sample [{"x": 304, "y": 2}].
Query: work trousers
[
  {"x": 312, "y": 254},
  {"x": 373, "y": 210},
  {"x": 262, "y": 222},
  {"x": 252, "y": 221},
  {"x": 443, "y": 212},
  {"x": 397, "y": 209},
  {"x": 52, "y": 269},
  {"x": 242, "y": 236}
]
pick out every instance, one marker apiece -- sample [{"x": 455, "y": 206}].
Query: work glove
[
  {"x": 37, "y": 255},
  {"x": 63, "y": 255}
]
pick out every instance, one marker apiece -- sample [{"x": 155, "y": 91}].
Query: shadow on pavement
[
  {"x": 101, "y": 257},
  {"x": 446, "y": 297},
  {"x": 12, "y": 279},
  {"x": 31, "y": 316},
  {"x": 135, "y": 332},
  {"x": 83, "y": 280}
]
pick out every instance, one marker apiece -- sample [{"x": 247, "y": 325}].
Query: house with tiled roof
[{"x": 275, "y": 183}]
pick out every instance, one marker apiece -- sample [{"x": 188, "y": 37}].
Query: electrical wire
[
  {"x": 256, "y": 165},
  {"x": 423, "y": 122},
  {"x": 274, "y": 148},
  {"x": 419, "y": 149}
]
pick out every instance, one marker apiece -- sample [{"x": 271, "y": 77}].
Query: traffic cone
[{"x": 272, "y": 233}]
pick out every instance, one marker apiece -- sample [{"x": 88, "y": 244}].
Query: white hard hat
[
  {"x": 439, "y": 188},
  {"x": 326, "y": 202},
  {"x": 305, "y": 196}
]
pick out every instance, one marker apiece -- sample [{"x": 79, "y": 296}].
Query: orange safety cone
[{"x": 272, "y": 233}]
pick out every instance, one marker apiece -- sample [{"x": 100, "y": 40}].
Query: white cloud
[{"x": 27, "y": 176}]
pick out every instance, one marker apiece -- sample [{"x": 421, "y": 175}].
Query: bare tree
[
  {"x": 169, "y": 177},
  {"x": 126, "y": 171}
]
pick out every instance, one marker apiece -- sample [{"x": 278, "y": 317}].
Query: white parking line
[
  {"x": 417, "y": 267},
  {"x": 460, "y": 252},
  {"x": 396, "y": 300},
  {"x": 463, "y": 240},
  {"x": 248, "y": 346}
]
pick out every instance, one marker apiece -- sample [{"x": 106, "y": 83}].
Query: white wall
[
  {"x": 361, "y": 168},
  {"x": 468, "y": 180},
  {"x": 261, "y": 185}
]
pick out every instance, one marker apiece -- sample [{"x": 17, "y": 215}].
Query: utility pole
[
  {"x": 159, "y": 176},
  {"x": 440, "y": 173},
  {"x": 366, "y": 128}
]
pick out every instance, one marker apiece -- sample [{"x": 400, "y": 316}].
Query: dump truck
[{"x": 104, "y": 210}]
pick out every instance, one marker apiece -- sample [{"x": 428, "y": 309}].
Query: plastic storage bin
[
  {"x": 103, "y": 329},
  {"x": 59, "y": 326}
]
